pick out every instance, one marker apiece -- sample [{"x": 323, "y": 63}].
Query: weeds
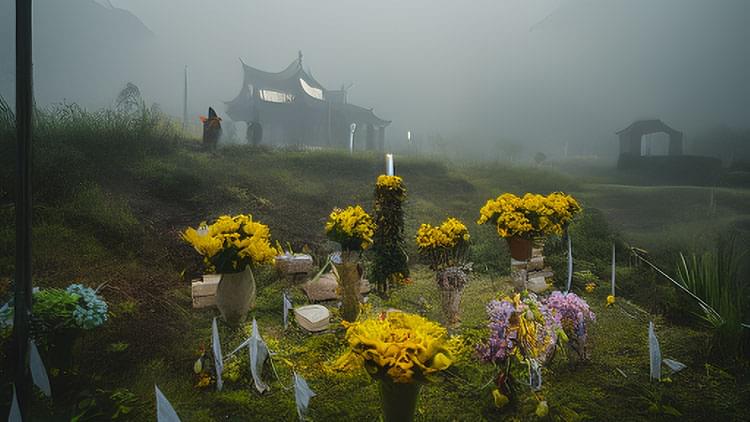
[{"x": 714, "y": 277}]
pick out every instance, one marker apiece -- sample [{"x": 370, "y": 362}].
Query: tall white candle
[{"x": 389, "y": 164}]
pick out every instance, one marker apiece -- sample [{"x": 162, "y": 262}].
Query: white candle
[{"x": 389, "y": 164}]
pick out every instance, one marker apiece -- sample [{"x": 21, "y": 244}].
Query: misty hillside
[{"x": 83, "y": 51}]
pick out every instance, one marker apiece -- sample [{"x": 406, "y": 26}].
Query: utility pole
[
  {"x": 24, "y": 110},
  {"x": 184, "y": 101}
]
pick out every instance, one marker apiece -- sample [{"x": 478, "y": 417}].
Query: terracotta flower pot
[
  {"x": 235, "y": 296},
  {"x": 398, "y": 400},
  {"x": 520, "y": 248}
]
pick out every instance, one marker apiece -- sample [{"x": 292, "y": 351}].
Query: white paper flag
[
  {"x": 674, "y": 365},
  {"x": 287, "y": 307},
  {"x": 38, "y": 371},
  {"x": 654, "y": 353},
  {"x": 258, "y": 355},
  {"x": 535, "y": 375},
  {"x": 15, "y": 410},
  {"x": 302, "y": 395},
  {"x": 164, "y": 410},
  {"x": 570, "y": 264},
  {"x": 613, "y": 270},
  {"x": 218, "y": 359}
]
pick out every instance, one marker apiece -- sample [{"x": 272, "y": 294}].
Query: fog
[{"x": 534, "y": 73}]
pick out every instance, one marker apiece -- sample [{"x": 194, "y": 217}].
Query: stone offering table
[
  {"x": 294, "y": 267},
  {"x": 532, "y": 274},
  {"x": 203, "y": 290}
]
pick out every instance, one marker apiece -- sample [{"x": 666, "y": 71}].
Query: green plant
[
  {"x": 390, "y": 262},
  {"x": 714, "y": 279},
  {"x": 53, "y": 308}
]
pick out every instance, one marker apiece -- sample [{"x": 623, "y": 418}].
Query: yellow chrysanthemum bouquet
[
  {"x": 392, "y": 183},
  {"x": 232, "y": 246},
  {"x": 445, "y": 245},
  {"x": 351, "y": 227},
  {"x": 232, "y": 243},
  {"x": 529, "y": 216},
  {"x": 401, "y": 351},
  {"x": 404, "y": 347}
]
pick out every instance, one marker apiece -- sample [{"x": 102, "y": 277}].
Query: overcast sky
[{"x": 538, "y": 72}]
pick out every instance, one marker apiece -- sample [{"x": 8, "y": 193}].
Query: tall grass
[
  {"x": 72, "y": 146},
  {"x": 715, "y": 277}
]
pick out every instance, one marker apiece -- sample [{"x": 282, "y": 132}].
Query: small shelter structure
[{"x": 632, "y": 136}]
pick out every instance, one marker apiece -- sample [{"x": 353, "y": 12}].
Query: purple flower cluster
[
  {"x": 503, "y": 338},
  {"x": 573, "y": 313},
  {"x": 546, "y": 337}
]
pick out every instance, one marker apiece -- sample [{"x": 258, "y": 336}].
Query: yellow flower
[
  {"x": 350, "y": 226},
  {"x": 400, "y": 345},
  {"x": 610, "y": 300},
  {"x": 542, "y": 409},
  {"x": 389, "y": 182},
  {"x": 500, "y": 399},
  {"x": 248, "y": 241},
  {"x": 590, "y": 287},
  {"x": 530, "y": 215}
]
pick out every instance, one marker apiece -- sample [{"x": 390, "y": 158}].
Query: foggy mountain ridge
[
  {"x": 541, "y": 74},
  {"x": 84, "y": 51}
]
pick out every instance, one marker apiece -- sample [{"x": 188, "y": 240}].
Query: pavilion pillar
[
  {"x": 381, "y": 138},
  {"x": 370, "y": 141},
  {"x": 675, "y": 144}
]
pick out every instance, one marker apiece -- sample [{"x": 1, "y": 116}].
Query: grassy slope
[{"x": 124, "y": 230}]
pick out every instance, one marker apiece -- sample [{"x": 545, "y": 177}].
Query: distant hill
[{"x": 83, "y": 50}]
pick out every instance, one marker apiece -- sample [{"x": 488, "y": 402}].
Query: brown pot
[{"x": 520, "y": 248}]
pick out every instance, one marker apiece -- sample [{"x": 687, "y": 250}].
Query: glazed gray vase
[{"x": 235, "y": 296}]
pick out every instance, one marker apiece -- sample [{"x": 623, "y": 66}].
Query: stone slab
[
  {"x": 204, "y": 301},
  {"x": 324, "y": 288},
  {"x": 312, "y": 317},
  {"x": 205, "y": 287},
  {"x": 535, "y": 264},
  {"x": 294, "y": 264},
  {"x": 537, "y": 284}
]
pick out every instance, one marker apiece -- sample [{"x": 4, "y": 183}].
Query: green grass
[{"x": 112, "y": 193}]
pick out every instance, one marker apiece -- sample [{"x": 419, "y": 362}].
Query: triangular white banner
[
  {"x": 654, "y": 353},
  {"x": 38, "y": 371},
  {"x": 302, "y": 395},
  {"x": 287, "y": 308},
  {"x": 15, "y": 409},
  {"x": 218, "y": 359},
  {"x": 258, "y": 355},
  {"x": 674, "y": 365},
  {"x": 164, "y": 410}
]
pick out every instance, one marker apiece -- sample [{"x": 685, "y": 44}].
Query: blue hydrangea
[{"x": 91, "y": 310}]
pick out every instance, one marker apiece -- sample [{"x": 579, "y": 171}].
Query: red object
[{"x": 520, "y": 248}]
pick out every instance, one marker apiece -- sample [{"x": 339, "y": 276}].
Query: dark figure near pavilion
[
  {"x": 254, "y": 133},
  {"x": 211, "y": 129}
]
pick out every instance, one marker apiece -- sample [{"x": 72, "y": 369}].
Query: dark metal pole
[
  {"x": 185, "y": 101},
  {"x": 24, "y": 110}
]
